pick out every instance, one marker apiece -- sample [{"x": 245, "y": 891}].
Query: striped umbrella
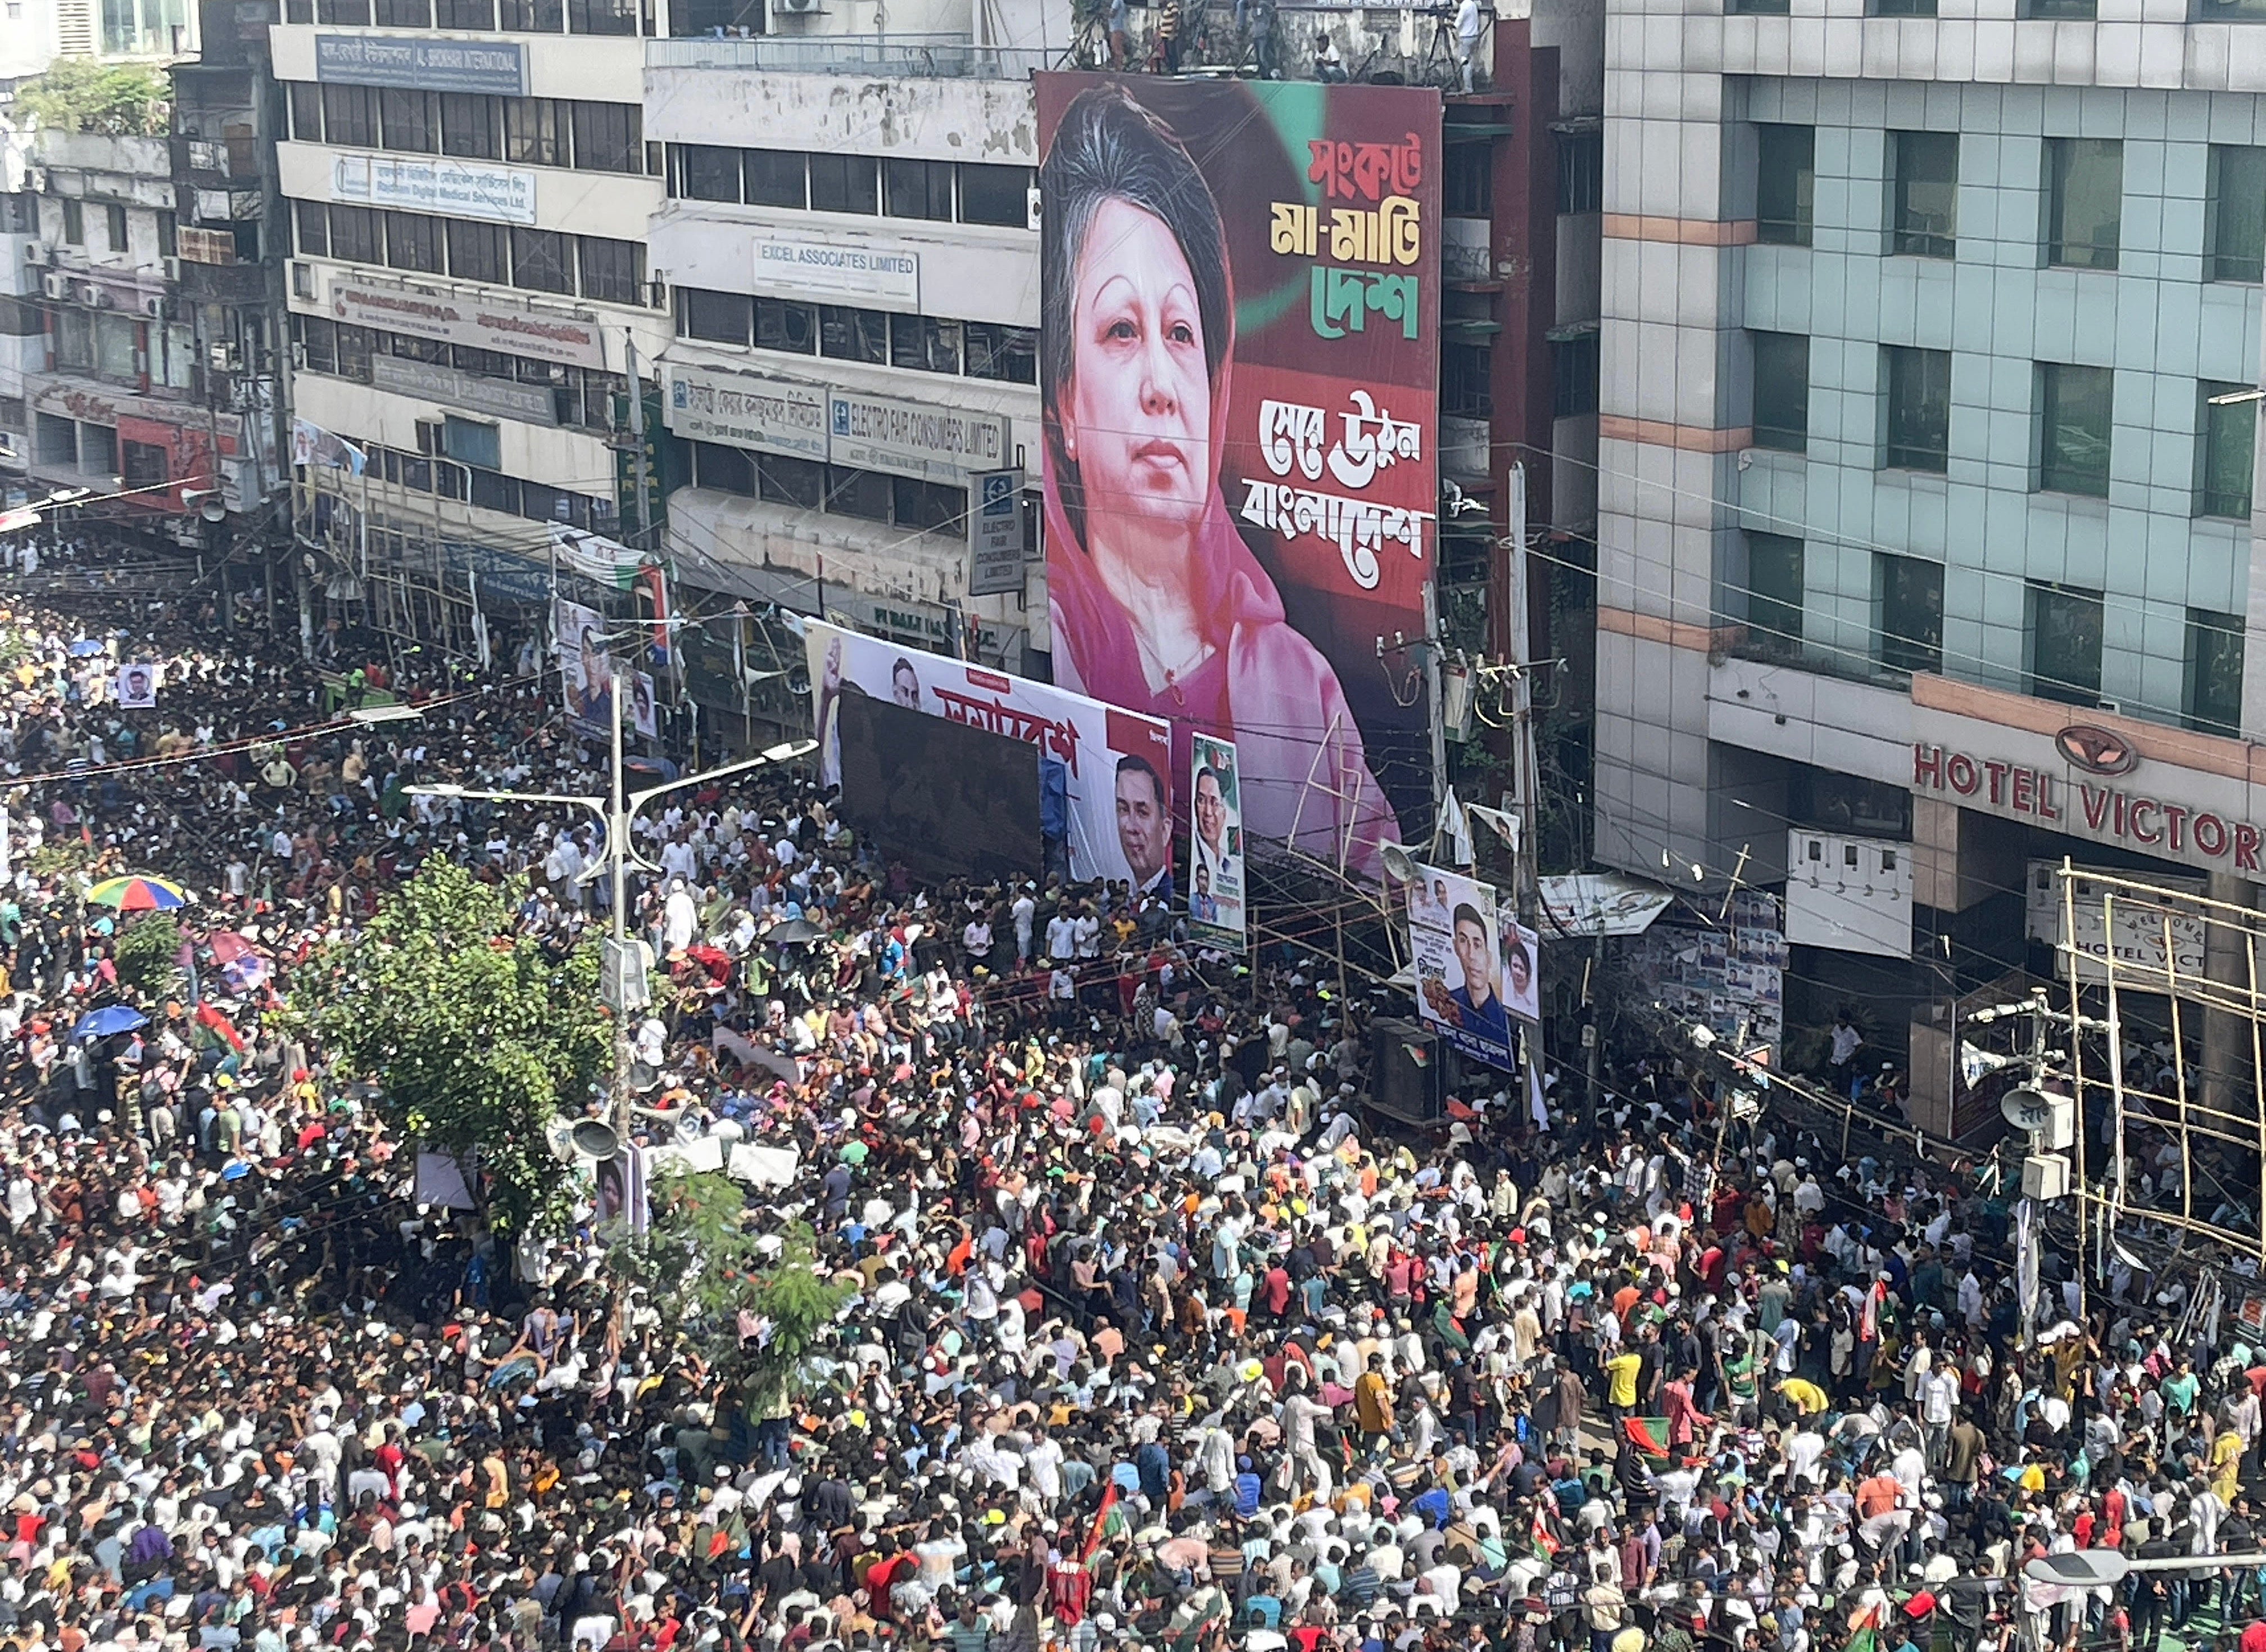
[{"x": 137, "y": 892}]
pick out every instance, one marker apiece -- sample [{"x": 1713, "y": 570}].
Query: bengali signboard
[
  {"x": 1239, "y": 376},
  {"x": 528, "y": 404},
  {"x": 477, "y": 319},
  {"x": 456, "y": 189},
  {"x": 744, "y": 410},
  {"x": 495, "y": 67}
]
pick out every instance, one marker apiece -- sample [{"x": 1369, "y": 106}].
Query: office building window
[
  {"x": 115, "y": 229},
  {"x": 532, "y": 132},
  {"x": 928, "y": 506},
  {"x": 718, "y": 317},
  {"x": 354, "y": 234},
  {"x": 2064, "y": 643},
  {"x": 845, "y": 183},
  {"x": 609, "y": 137},
  {"x": 1926, "y": 199},
  {"x": 783, "y": 479},
  {"x": 2060, "y": 10},
  {"x": 350, "y": 116},
  {"x": 407, "y": 119},
  {"x": 999, "y": 352},
  {"x": 919, "y": 189},
  {"x": 472, "y": 125},
  {"x": 613, "y": 272},
  {"x": 781, "y": 325},
  {"x": 704, "y": 172},
  {"x": 74, "y": 221},
  {"x": 306, "y": 111},
  {"x": 602, "y": 17},
  {"x": 534, "y": 16},
  {"x": 995, "y": 194},
  {"x": 861, "y": 493},
  {"x": 773, "y": 178},
  {"x": 1581, "y": 171},
  {"x": 1786, "y": 183},
  {"x": 1781, "y": 390},
  {"x": 1756, "y": 8},
  {"x": 318, "y": 338},
  {"x": 169, "y": 240},
  {"x": 1919, "y": 409},
  {"x": 2225, "y": 456},
  {"x": 402, "y": 14},
  {"x": 2073, "y": 412},
  {"x": 477, "y": 251},
  {"x": 1908, "y": 594},
  {"x": 1574, "y": 375},
  {"x": 1467, "y": 180},
  {"x": 2214, "y": 673},
  {"x": 925, "y": 343},
  {"x": 1466, "y": 381},
  {"x": 413, "y": 242},
  {"x": 853, "y": 335},
  {"x": 2084, "y": 201},
  {"x": 539, "y": 261},
  {"x": 312, "y": 218},
  {"x": 464, "y": 14},
  {"x": 727, "y": 470},
  {"x": 2234, "y": 218},
  {"x": 1773, "y": 596}
]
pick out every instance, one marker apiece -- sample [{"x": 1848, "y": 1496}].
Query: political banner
[
  {"x": 137, "y": 685},
  {"x": 1239, "y": 372},
  {"x": 1215, "y": 914},
  {"x": 1456, "y": 945},
  {"x": 586, "y": 674},
  {"x": 1106, "y": 774}
]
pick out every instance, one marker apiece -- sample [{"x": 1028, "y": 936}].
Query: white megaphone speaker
[
  {"x": 1399, "y": 865},
  {"x": 595, "y": 1140}
]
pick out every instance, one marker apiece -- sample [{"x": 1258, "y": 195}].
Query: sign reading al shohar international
[{"x": 497, "y": 67}]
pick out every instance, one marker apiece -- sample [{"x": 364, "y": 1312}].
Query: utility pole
[{"x": 637, "y": 446}]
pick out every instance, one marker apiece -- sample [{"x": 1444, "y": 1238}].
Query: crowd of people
[{"x": 1155, "y": 1337}]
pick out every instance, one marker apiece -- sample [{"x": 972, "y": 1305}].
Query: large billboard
[
  {"x": 1104, "y": 775},
  {"x": 1238, "y": 370},
  {"x": 1474, "y": 965},
  {"x": 1216, "y": 910},
  {"x": 586, "y": 674},
  {"x": 947, "y": 800}
]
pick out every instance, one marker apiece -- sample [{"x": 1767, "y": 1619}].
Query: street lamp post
[{"x": 615, "y": 811}]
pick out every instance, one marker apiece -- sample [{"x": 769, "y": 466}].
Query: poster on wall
[
  {"x": 1106, "y": 793},
  {"x": 1457, "y": 952},
  {"x": 1216, "y": 913},
  {"x": 642, "y": 717},
  {"x": 1238, "y": 376},
  {"x": 585, "y": 673}
]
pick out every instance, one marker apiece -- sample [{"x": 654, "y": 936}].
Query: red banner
[{"x": 187, "y": 463}]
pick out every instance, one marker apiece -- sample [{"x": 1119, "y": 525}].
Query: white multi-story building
[{"x": 1929, "y": 532}]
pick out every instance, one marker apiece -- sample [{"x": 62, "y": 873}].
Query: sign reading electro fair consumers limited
[
  {"x": 743, "y": 410},
  {"x": 802, "y": 265},
  {"x": 497, "y": 194},
  {"x": 480, "y": 322},
  {"x": 912, "y": 438},
  {"x": 995, "y": 533},
  {"x": 497, "y": 67}
]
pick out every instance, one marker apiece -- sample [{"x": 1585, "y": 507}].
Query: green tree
[
  {"x": 148, "y": 953},
  {"x": 474, "y": 1036},
  {"x": 77, "y": 94}
]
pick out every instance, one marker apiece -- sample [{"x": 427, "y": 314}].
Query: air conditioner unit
[
  {"x": 54, "y": 286},
  {"x": 1031, "y": 209},
  {"x": 94, "y": 296},
  {"x": 153, "y": 306},
  {"x": 38, "y": 252},
  {"x": 173, "y": 268},
  {"x": 803, "y": 7}
]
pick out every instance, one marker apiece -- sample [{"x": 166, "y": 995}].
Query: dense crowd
[{"x": 1155, "y": 1338}]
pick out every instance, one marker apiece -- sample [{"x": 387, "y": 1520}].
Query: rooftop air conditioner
[
  {"x": 38, "y": 252},
  {"x": 93, "y": 296},
  {"x": 54, "y": 286}
]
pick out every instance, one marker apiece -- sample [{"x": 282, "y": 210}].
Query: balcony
[{"x": 894, "y": 56}]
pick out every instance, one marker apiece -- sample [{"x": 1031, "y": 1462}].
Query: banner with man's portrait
[
  {"x": 1456, "y": 945},
  {"x": 1215, "y": 909},
  {"x": 586, "y": 673},
  {"x": 137, "y": 685}
]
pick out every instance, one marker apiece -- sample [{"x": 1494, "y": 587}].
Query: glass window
[
  {"x": 1925, "y": 208},
  {"x": 612, "y": 271},
  {"x": 1574, "y": 375},
  {"x": 314, "y": 228},
  {"x": 1466, "y": 380},
  {"x": 356, "y": 346},
  {"x": 1919, "y": 409},
  {"x": 853, "y": 335},
  {"x": 1786, "y": 183},
  {"x": 114, "y": 225},
  {"x": 2214, "y": 672},
  {"x": 718, "y": 317},
  {"x": 539, "y": 261},
  {"x": 318, "y": 342},
  {"x": 2085, "y": 200},
  {"x": 784, "y": 481},
  {"x": 1902, "y": 8},
  {"x": 356, "y": 12},
  {"x": 995, "y": 194},
  {"x": 403, "y": 14},
  {"x": 919, "y": 189},
  {"x": 602, "y": 17},
  {"x": 471, "y": 441},
  {"x": 2227, "y": 455},
  {"x": 538, "y": 502},
  {"x": 534, "y": 16},
  {"x": 1908, "y": 595},
  {"x": 472, "y": 125},
  {"x": 1756, "y": 8},
  {"x": 74, "y": 221},
  {"x": 845, "y": 183},
  {"x": 2061, "y": 10},
  {"x": 531, "y": 134},
  {"x": 781, "y": 325},
  {"x": 350, "y": 116},
  {"x": 494, "y": 492},
  {"x": 2073, "y": 406},
  {"x": 773, "y": 178},
  {"x": 1581, "y": 171},
  {"x": 477, "y": 251},
  {"x": 2064, "y": 644},
  {"x": 1781, "y": 390},
  {"x": 74, "y": 340},
  {"x": 1000, "y": 352},
  {"x": 1467, "y": 179},
  {"x": 1773, "y": 594},
  {"x": 117, "y": 342},
  {"x": 463, "y": 14},
  {"x": 354, "y": 235},
  {"x": 924, "y": 344},
  {"x": 727, "y": 469},
  {"x": 929, "y": 507},
  {"x": 705, "y": 172},
  {"x": 410, "y": 349},
  {"x": 2234, "y": 223},
  {"x": 609, "y": 137},
  {"x": 864, "y": 493},
  {"x": 407, "y": 119},
  {"x": 306, "y": 112},
  {"x": 413, "y": 242}
]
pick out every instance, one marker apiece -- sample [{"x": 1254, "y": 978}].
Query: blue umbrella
[
  {"x": 84, "y": 647},
  {"x": 111, "y": 1018}
]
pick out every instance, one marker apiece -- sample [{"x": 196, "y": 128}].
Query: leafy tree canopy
[{"x": 77, "y": 94}]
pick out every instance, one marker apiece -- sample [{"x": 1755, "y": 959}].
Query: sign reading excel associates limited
[
  {"x": 498, "y": 67},
  {"x": 912, "y": 438},
  {"x": 456, "y": 189},
  {"x": 796, "y": 265}
]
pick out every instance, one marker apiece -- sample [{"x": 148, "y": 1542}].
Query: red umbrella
[{"x": 228, "y": 945}]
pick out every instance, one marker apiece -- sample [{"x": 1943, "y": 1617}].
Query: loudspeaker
[{"x": 1404, "y": 1078}]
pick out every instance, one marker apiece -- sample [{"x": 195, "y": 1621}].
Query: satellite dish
[
  {"x": 2027, "y": 1109},
  {"x": 596, "y": 1139},
  {"x": 1399, "y": 863}
]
